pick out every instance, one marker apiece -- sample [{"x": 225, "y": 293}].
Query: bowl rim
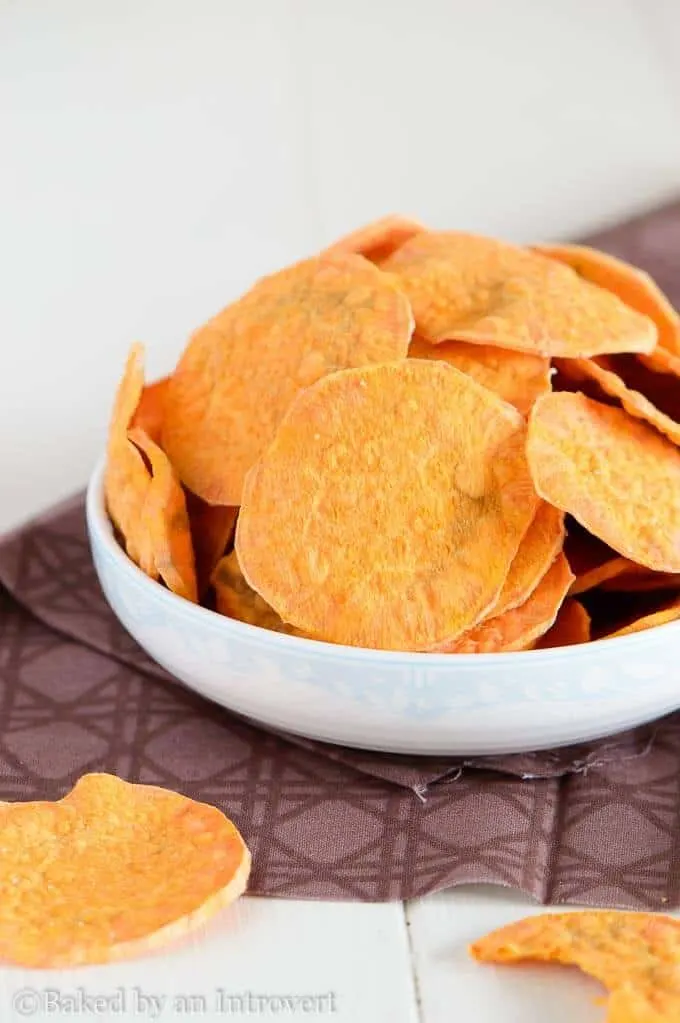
[{"x": 100, "y": 527}]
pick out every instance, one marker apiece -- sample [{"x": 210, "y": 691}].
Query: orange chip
[
  {"x": 149, "y": 413},
  {"x": 388, "y": 509},
  {"x": 166, "y": 523},
  {"x": 539, "y": 547},
  {"x": 571, "y": 627},
  {"x": 469, "y": 288},
  {"x": 601, "y": 574},
  {"x": 584, "y": 551},
  {"x": 379, "y": 239},
  {"x": 240, "y": 372},
  {"x": 634, "y": 403},
  {"x": 519, "y": 628},
  {"x": 111, "y": 871},
  {"x": 634, "y": 955},
  {"x": 516, "y": 377},
  {"x": 212, "y": 530},
  {"x": 235, "y": 599},
  {"x": 575, "y": 370},
  {"x": 126, "y": 478},
  {"x": 633, "y": 286},
  {"x": 669, "y": 613},
  {"x": 603, "y": 467},
  {"x": 642, "y": 581},
  {"x": 661, "y": 388},
  {"x": 662, "y": 361}
]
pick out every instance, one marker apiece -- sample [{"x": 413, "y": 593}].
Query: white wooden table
[
  {"x": 342, "y": 962},
  {"x": 156, "y": 156}
]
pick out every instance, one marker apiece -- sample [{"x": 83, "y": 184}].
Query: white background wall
[{"x": 157, "y": 155}]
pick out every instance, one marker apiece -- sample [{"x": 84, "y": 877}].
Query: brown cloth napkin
[{"x": 595, "y": 824}]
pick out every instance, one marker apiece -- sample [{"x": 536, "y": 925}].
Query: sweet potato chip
[
  {"x": 235, "y": 599},
  {"x": 661, "y": 388},
  {"x": 388, "y": 509},
  {"x": 668, "y": 613},
  {"x": 126, "y": 478},
  {"x": 379, "y": 239},
  {"x": 662, "y": 361},
  {"x": 643, "y": 581},
  {"x": 468, "y": 288},
  {"x": 149, "y": 413},
  {"x": 516, "y": 377},
  {"x": 575, "y": 370},
  {"x": 601, "y": 574},
  {"x": 633, "y": 286},
  {"x": 165, "y": 521},
  {"x": 571, "y": 627},
  {"x": 539, "y": 547},
  {"x": 603, "y": 467},
  {"x": 567, "y": 377},
  {"x": 633, "y": 402},
  {"x": 584, "y": 551},
  {"x": 212, "y": 530},
  {"x": 110, "y": 871},
  {"x": 240, "y": 372},
  {"x": 634, "y": 955},
  {"x": 518, "y": 629}
]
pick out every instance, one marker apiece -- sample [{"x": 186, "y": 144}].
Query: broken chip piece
[{"x": 634, "y": 955}]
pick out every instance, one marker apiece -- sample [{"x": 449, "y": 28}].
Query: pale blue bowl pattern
[{"x": 428, "y": 703}]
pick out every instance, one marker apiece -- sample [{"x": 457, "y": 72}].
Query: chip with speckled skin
[
  {"x": 632, "y": 285},
  {"x": 240, "y": 372},
  {"x": 516, "y": 377},
  {"x": 519, "y": 628},
  {"x": 389, "y": 508},
  {"x": 602, "y": 466},
  {"x": 634, "y": 955},
  {"x": 470, "y": 288},
  {"x": 112, "y": 870}
]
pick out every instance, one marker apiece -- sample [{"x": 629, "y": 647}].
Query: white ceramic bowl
[{"x": 404, "y": 703}]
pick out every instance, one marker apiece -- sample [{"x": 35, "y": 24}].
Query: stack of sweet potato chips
[{"x": 416, "y": 440}]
